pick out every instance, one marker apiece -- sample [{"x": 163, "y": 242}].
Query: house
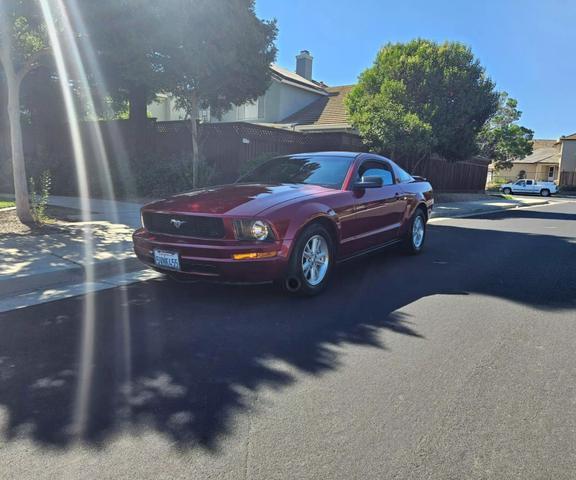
[
  {"x": 551, "y": 160},
  {"x": 294, "y": 101}
]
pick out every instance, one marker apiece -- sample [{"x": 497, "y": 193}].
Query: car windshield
[{"x": 327, "y": 171}]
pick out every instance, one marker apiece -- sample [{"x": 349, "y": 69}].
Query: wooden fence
[
  {"x": 568, "y": 179},
  {"x": 226, "y": 146}
]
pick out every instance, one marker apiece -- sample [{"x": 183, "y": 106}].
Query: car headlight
[{"x": 253, "y": 230}]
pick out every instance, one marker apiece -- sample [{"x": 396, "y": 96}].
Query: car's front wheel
[
  {"x": 545, "y": 192},
  {"x": 311, "y": 262},
  {"x": 416, "y": 233},
  {"x": 507, "y": 191}
]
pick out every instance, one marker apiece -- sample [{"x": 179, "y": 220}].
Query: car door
[
  {"x": 530, "y": 186},
  {"x": 519, "y": 186},
  {"x": 378, "y": 211}
]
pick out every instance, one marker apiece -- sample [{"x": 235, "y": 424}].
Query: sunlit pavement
[{"x": 458, "y": 363}]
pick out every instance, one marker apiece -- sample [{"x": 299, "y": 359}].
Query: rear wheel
[
  {"x": 507, "y": 191},
  {"x": 416, "y": 234},
  {"x": 311, "y": 262},
  {"x": 545, "y": 192}
]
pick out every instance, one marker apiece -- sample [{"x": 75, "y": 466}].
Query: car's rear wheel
[
  {"x": 416, "y": 234},
  {"x": 311, "y": 262},
  {"x": 545, "y": 192},
  {"x": 507, "y": 191}
]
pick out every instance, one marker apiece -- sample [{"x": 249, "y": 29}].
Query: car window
[
  {"x": 403, "y": 176},
  {"x": 520, "y": 183},
  {"x": 529, "y": 182},
  {"x": 326, "y": 171},
  {"x": 376, "y": 169}
]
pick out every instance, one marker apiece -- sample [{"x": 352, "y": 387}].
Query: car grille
[{"x": 190, "y": 226}]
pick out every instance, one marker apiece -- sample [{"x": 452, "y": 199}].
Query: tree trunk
[
  {"x": 194, "y": 130},
  {"x": 19, "y": 167}
]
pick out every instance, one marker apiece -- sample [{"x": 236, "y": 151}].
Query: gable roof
[
  {"x": 329, "y": 110},
  {"x": 292, "y": 77},
  {"x": 569, "y": 137},
  {"x": 543, "y": 153}
]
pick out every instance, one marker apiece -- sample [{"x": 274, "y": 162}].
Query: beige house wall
[
  {"x": 568, "y": 156},
  {"x": 537, "y": 171}
]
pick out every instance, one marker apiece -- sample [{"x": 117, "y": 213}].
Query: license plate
[{"x": 165, "y": 259}]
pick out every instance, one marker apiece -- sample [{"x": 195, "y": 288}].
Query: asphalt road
[{"x": 458, "y": 363}]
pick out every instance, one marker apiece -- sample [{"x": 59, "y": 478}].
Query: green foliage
[
  {"x": 502, "y": 139},
  {"x": 156, "y": 176},
  {"x": 421, "y": 98},
  {"x": 22, "y": 28},
  {"x": 6, "y": 204},
  {"x": 39, "y": 194},
  {"x": 218, "y": 54}
]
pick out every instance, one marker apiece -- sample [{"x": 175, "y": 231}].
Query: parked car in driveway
[
  {"x": 290, "y": 220},
  {"x": 530, "y": 186}
]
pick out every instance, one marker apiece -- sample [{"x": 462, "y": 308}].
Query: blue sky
[{"x": 527, "y": 46}]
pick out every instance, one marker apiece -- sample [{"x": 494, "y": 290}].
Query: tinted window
[
  {"x": 315, "y": 170},
  {"x": 403, "y": 176},
  {"x": 376, "y": 169}
]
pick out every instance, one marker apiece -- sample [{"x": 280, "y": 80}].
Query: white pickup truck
[{"x": 530, "y": 186}]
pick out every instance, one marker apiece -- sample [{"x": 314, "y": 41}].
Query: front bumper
[{"x": 212, "y": 260}]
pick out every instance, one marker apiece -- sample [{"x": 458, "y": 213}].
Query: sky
[{"x": 528, "y": 47}]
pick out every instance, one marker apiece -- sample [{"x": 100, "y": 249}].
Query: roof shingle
[{"x": 324, "y": 111}]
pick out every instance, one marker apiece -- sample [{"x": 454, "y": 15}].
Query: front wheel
[
  {"x": 507, "y": 191},
  {"x": 311, "y": 262},
  {"x": 416, "y": 234}
]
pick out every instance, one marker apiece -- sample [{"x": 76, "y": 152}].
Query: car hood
[{"x": 235, "y": 200}]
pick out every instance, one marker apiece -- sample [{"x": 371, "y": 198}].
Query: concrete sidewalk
[
  {"x": 40, "y": 268},
  {"x": 43, "y": 268}
]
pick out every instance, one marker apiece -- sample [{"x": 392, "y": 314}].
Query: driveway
[{"x": 458, "y": 363}]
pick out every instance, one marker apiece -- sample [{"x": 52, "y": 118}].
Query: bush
[
  {"x": 39, "y": 193},
  {"x": 155, "y": 175}
]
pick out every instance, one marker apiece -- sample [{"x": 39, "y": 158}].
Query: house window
[{"x": 550, "y": 172}]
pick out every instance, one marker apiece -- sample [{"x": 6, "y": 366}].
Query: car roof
[{"x": 324, "y": 154}]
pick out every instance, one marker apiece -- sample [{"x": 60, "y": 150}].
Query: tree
[
  {"x": 22, "y": 44},
  {"x": 125, "y": 38},
  {"x": 219, "y": 54},
  {"x": 422, "y": 97},
  {"x": 502, "y": 139}
]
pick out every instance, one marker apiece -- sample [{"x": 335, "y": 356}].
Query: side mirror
[{"x": 368, "y": 182}]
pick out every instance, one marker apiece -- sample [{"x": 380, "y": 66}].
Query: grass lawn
[{"x": 6, "y": 204}]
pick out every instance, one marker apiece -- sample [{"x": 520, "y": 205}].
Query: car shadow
[{"x": 185, "y": 359}]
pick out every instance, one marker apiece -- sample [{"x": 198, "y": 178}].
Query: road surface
[{"x": 459, "y": 363}]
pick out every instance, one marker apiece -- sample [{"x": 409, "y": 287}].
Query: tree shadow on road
[{"x": 200, "y": 353}]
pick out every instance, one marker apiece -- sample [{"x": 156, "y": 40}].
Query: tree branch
[{"x": 31, "y": 63}]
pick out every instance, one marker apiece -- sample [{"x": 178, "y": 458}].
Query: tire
[
  {"x": 414, "y": 241},
  {"x": 313, "y": 281},
  {"x": 507, "y": 191},
  {"x": 545, "y": 192}
]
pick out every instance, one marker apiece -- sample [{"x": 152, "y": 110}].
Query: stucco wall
[
  {"x": 568, "y": 162},
  {"x": 536, "y": 171}
]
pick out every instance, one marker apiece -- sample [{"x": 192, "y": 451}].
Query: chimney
[{"x": 304, "y": 64}]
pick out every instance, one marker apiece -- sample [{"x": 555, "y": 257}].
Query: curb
[
  {"x": 73, "y": 275},
  {"x": 491, "y": 211}
]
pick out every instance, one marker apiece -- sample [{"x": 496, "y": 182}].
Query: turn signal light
[{"x": 253, "y": 255}]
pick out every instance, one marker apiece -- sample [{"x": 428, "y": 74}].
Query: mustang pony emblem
[{"x": 177, "y": 223}]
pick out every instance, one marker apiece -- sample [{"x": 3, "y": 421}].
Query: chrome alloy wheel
[
  {"x": 315, "y": 260},
  {"x": 418, "y": 232}
]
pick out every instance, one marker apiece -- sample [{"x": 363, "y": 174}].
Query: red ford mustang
[{"x": 289, "y": 220}]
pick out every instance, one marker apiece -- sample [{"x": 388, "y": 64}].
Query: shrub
[{"x": 39, "y": 193}]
